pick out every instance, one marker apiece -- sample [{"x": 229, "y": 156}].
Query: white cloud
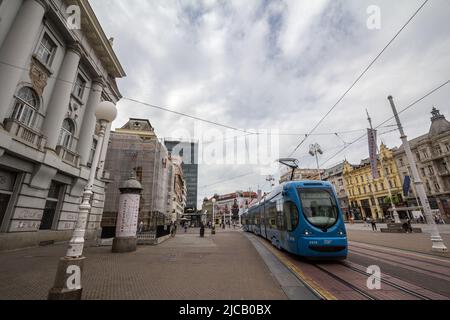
[{"x": 278, "y": 64}]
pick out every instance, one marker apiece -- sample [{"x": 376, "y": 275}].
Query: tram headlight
[
  {"x": 307, "y": 233},
  {"x": 341, "y": 233}
]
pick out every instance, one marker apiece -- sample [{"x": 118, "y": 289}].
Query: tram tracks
[{"x": 346, "y": 280}]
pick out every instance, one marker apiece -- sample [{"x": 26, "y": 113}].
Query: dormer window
[{"x": 80, "y": 85}]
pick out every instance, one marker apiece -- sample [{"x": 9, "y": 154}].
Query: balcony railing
[
  {"x": 25, "y": 134},
  {"x": 68, "y": 156},
  {"x": 444, "y": 172}
]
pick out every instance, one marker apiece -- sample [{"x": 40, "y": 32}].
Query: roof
[{"x": 102, "y": 47}]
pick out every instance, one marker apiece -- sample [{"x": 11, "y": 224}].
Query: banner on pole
[
  {"x": 406, "y": 185},
  {"x": 372, "y": 134}
]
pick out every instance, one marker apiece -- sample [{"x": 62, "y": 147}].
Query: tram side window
[
  {"x": 272, "y": 215},
  {"x": 291, "y": 213},
  {"x": 281, "y": 221}
]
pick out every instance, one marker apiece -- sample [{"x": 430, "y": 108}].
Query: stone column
[
  {"x": 127, "y": 217},
  {"x": 89, "y": 120},
  {"x": 59, "y": 102},
  {"x": 16, "y": 50}
]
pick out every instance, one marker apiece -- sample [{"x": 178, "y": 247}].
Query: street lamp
[
  {"x": 213, "y": 229},
  {"x": 68, "y": 276},
  {"x": 314, "y": 149}
]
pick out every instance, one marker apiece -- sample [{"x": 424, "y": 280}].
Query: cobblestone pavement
[{"x": 223, "y": 266}]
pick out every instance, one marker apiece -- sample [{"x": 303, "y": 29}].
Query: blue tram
[{"x": 301, "y": 217}]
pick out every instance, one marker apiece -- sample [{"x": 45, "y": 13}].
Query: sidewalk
[{"x": 223, "y": 266}]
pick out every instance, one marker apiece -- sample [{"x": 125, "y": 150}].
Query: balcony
[
  {"x": 444, "y": 172},
  {"x": 25, "y": 134},
  {"x": 68, "y": 156}
]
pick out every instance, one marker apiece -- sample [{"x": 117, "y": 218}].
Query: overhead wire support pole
[
  {"x": 384, "y": 177},
  {"x": 438, "y": 243}
]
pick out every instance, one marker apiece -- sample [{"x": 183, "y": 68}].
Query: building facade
[
  {"x": 301, "y": 174},
  {"x": 369, "y": 197},
  {"x": 228, "y": 207},
  {"x": 135, "y": 149},
  {"x": 335, "y": 175},
  {"x": 432, "y": 156},
  {"x": 188, "y": 151},
  {"x": 51, "y": 79}
]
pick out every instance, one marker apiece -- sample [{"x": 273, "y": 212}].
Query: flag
[
  {"x": 372, "y": 134},
  {"x": 406, "y": 185}
]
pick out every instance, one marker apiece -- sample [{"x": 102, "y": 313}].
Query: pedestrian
[
  {"x": 141, "y": 227},
  {"x": 374, "y": 225},
  {"x": 185, "y": 227},
  {"x": 408, "y": 225}
]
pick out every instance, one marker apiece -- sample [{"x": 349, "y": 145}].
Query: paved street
[
  {"x": 225, "y": 266},
  {"x": 419, "y": 242}
]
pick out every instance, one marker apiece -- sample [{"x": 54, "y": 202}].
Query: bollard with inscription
[{"x": 127, "y": 217}]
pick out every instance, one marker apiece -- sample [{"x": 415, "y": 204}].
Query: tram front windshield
[{"x": 319, "y": 206}]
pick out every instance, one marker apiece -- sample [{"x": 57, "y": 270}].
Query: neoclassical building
[
  {"x": 432, "y": 156},
  {"x": 52, "y": 76}
]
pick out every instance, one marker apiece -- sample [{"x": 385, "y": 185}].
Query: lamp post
[
  {"x": 213, "y": 228},
  {"x": 67, "y": 284},
  {"x": 314, "y": 149},
  {"x": 438, "y": 243}
]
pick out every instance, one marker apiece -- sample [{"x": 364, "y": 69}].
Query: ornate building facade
[
  {"x": 369, "y": 197},
  {"x": 52, "y": 76},
  {"x": 432, "y": 155},
  {"x": 335, "y": 175}
]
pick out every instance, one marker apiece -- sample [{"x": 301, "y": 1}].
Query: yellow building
[{"x": 369, "y": 197}]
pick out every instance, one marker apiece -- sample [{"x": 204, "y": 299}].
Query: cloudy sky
[{"x": 278, "y": 65}]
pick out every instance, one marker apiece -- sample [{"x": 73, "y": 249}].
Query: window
[
  {"x": 382, "y": 185},
  {"x": 46, "y": 50},
  {"x": 390, "y": 184},
  {"x": 319, "y": 207},
  {"x": 418, "y": 156},
  {"x": 51, "y": 204},
  {"x": 291, "y": 213},
  {"x": 362, "y": 179},
  {"x": 79, "y": 86},
  {"x": 66, "y": 135},
  {"x": 365, "y": 190},
  {"x": 425, "y": 154},
  {"x": 423, "y": 172},
  {"x": 401, "y": 162},
  {"x": 430, "y": 169},
  {"x": 25, "y": 106},
  {"x": 7, "y": 181},
  {"x": 437, "y": 187},
  {"x": 447, "y": 145}
]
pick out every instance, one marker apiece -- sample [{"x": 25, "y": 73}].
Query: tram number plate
[{"x": 327, "y": 241}]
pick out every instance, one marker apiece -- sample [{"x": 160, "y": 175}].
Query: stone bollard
[{"x": 127, "y": 217}]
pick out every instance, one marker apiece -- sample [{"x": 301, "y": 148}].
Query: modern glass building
[{"x": 188, "y": 151}]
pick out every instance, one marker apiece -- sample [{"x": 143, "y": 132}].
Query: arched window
[
  {"x": 66, "y": 136},
  {"x": 25, "y": 106}
]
